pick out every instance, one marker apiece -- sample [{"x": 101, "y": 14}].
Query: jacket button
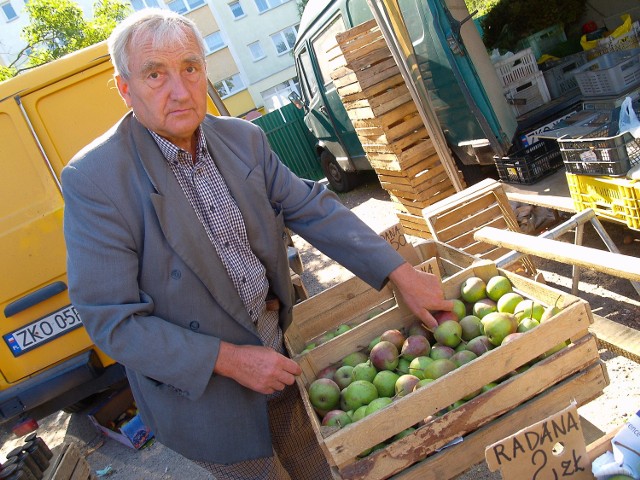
[
  {"x": 194, "y": 325},
  {"x": 176, "y": 274}
]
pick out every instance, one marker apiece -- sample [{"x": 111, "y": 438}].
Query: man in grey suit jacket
[{"x": 174, "y": 224}]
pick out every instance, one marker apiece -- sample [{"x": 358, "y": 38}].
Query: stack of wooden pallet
[{"x": 388, "y": 124}]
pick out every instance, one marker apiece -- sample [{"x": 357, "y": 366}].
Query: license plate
[{"x": 42, "y": 331}]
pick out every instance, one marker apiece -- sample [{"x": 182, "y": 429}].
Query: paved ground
[{"x": 611, "y": 297}]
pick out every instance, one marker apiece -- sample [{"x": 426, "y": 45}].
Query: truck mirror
[{"x": 297, "y": 101}]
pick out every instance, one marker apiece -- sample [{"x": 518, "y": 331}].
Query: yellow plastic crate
[{"x": 616, "y": 199}]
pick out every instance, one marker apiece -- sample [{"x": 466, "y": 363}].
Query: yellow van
[{"x": 47, "y": 360}]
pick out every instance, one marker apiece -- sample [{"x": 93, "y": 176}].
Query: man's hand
[
  {"x": 421, "y": 292},
  {"x": 259, "y": 368}
]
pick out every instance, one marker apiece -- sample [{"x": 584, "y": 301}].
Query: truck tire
[{"x": 339, "y": 180}]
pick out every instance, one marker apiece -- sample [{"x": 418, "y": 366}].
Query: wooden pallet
[
  {"x": 69, "y": 464},
  {"x": 387, "y": 121}
]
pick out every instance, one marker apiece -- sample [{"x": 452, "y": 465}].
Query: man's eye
[
  {"x": 154, "y": 75},
  {"x": 191, "y": 69}
]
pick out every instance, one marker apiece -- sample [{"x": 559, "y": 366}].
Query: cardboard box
[
  {"x": 133, "y": 433},
  {"x": 543, "y": 389}
]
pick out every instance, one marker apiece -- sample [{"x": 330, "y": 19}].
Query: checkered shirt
[{"x": 208, "y": 194}]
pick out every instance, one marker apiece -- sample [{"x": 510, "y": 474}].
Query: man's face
[{"x": 167, "y": 88}]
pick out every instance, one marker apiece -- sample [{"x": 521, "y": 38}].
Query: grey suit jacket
[{"x": 153, "y": 293}]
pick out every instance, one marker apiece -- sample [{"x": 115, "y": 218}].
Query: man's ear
[{"x": 123, "y": 88}]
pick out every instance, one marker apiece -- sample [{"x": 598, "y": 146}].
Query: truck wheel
[{"x": 339, "y": 180}]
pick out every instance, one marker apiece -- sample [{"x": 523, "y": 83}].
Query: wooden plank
[
  {"x": 617, "y": 338},
  {"x": 601, "y": 445},
  {"x": 441, "y": 221},
  {"x": 615, "y": 264},
  {"x": 474, "y": 414},
  {"x": 475, "y": 219}
]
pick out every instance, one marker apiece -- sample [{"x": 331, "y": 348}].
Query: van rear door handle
[
  {"x": 34, "y": 298},
  {"x": 324, "y": 110}
]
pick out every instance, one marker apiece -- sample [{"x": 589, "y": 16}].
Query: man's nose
[{"x": 178, "y": 86}]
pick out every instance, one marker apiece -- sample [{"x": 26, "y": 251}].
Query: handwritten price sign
[
  {"x": 548, "y": 450},
  {"x": 396, "y": 238}
]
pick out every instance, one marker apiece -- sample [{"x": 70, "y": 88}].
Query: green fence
[{"x": 290, "y": 138}]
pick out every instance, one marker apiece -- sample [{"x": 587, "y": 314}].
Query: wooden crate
[
  {"x": 485, "y": 204},
  {"x": 386, "y": 119},
  {"x": 575, "y": 372},
  {"x": 69, "y": 464},
  {"x": 353, "y": 301}
]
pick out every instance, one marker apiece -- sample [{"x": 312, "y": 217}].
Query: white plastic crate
[
  {"x": 559, "y": 74},
  {"x": 516, "y": 67},
  {"x": 527, "y": 94},
  {"x": 609, "y": 74}
]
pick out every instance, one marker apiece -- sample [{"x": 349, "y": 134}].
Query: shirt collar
[{"x": 175, "y": 154}]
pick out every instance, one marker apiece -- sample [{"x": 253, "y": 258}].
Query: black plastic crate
[
  {"x": 600, "y": 153},
  {"x": 530, "y": 164}
]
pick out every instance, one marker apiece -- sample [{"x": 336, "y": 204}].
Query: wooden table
[{"x": 550, "y": 192}]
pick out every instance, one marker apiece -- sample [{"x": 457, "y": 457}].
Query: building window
[
  {"x": 236, "y": 10},
  {"x": 256, "y": 51},
  {"x": 9, "y": 11},
  {"x": 285, "y": 39},
  {"x": 229, "y": 86},
  {"x": 140, "y": 4},
  {"x": 264, "y": 5},
  {"x": 214, "y": 42},
  {"x": 278, "y": 96},
  {"x": 184, "y": 6}
]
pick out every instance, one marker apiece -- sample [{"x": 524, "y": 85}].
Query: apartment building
[{"x": 249, "y": 42}]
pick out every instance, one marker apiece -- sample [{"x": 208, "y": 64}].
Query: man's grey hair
[{"x": 163, "y": 26}]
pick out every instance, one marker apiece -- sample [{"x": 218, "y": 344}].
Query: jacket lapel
[{"x": 183, "y": 230}]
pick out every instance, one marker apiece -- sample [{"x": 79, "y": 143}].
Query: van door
[
  {"x": 34, "y": 305},
  {"x": 465, "y": 111}
]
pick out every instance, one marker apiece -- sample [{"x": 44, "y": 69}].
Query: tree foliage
[
  {"x": 509, "y": 21},
  {"x": 301, "y": 4},
  {"x": 58, "y": 27}
]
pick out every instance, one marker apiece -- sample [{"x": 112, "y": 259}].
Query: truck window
[
  {"x": 358, "y": 12},
  {"x": 413, "y": 20},
  {"x": 307, "y": 77},
  {"x": 326, "y": 48}
]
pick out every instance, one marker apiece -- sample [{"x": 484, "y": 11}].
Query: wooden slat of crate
[
  {"x": 343, "y": 446},
  {"x": 414, "y": 225},
  {"x": 454, "y": 219},
  {"x": 583, "y": 387},
  {"x": 475, "y": 414},
  {"x": 69, "y": 464},
  {"x": 349, "y": 302}
]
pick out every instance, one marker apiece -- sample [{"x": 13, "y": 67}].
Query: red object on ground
[
  {"x": 589, "y": 27},
  {"x": 25, "y": 427}
]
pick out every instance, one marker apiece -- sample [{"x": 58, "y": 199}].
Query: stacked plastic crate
[
  {"x": 525, "y": 89},
  {"x": 524, "y": 86}
]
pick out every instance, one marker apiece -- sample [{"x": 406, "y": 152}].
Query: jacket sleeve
[{"x": 317, "y": 215}]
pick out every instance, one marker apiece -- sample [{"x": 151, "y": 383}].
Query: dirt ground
[{"x": 608, "y": 296}]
